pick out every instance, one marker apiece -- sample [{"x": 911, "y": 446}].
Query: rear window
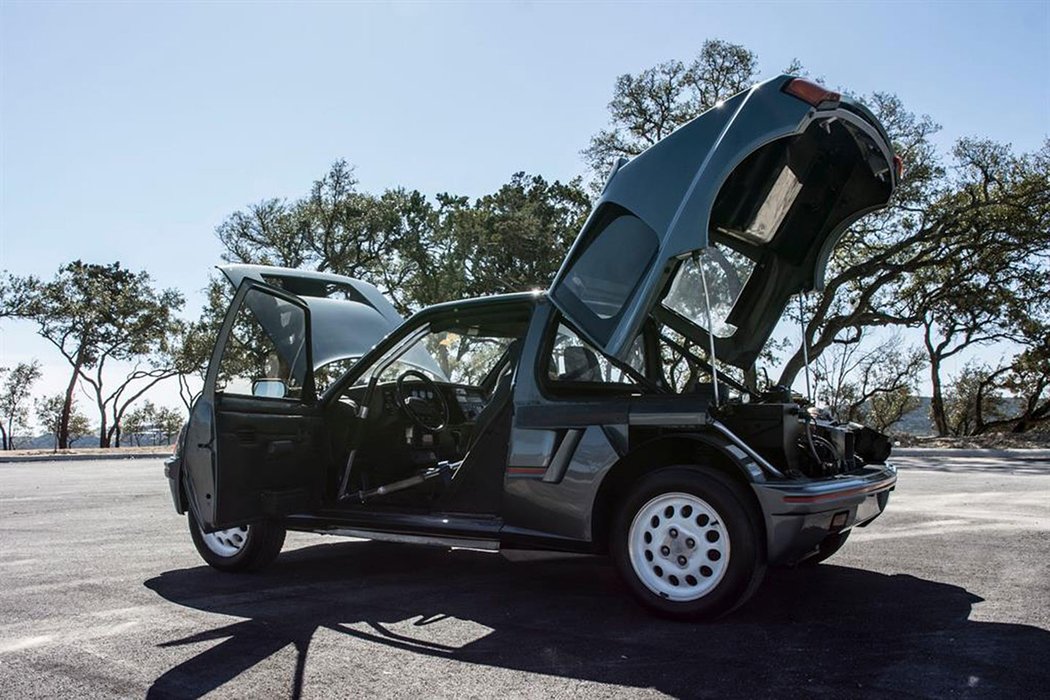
[
  {"x": 306, "y": 287},
  {"x": 617, "y": 252},
  {"x": 609, "y": 269}
]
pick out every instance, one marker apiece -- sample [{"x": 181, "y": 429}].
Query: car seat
[{"x": 581, "y": 365}]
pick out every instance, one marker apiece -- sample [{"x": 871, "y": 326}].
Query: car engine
[{"x": 800, "y": 440}]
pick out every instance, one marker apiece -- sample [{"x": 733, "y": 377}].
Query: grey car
[{"x": 599, "y": 416}]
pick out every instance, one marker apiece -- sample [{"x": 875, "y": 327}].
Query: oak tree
[{"x": 96, "y": 315}]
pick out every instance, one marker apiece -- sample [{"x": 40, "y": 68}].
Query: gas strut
[{"x": 443, "y": 471}]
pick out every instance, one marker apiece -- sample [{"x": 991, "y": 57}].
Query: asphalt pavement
[{"x": 102, "y": 595}]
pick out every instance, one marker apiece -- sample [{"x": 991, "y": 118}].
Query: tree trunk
[
  {"x": 4, "y": 435},
  {"x": 791, "y": 369},
  {"x": 103, "y": 433},
  {"x": 1021, "y": 425},
  {"x": 940, "y": 421},
  {"x": 67, "y": 407}
]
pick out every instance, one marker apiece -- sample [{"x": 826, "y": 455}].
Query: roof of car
[{"x": 479, "y": 303}]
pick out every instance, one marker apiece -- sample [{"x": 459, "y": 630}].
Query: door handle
[{"x": 280, "y": 447}]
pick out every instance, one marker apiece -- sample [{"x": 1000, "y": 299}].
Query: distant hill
[
  {"x": 47, "y": 442},
  {"x": 917, "y": 421}
]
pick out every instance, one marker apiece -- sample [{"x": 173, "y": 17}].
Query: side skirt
[{"x": 430, "y": 540}]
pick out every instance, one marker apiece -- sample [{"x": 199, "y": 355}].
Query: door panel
[
  {"x": 252, "y": 456},
  {"x": 270, "y": 458},
  {"x": 198, "y": 459}
]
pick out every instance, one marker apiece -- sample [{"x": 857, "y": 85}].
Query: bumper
[
  {"x": 172, "y": 469},
  {"x": 799, "y": 515}
]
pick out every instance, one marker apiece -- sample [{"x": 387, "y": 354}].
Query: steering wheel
[{"x": 430, "y": 413}]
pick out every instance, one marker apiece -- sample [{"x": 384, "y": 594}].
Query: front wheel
[
  {"x": 244, "y": 548},
  {"x": 688, "y": 543}
]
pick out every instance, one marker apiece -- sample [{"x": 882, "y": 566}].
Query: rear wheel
[
  {"x": 244, "y": 548},
  {"x": 688, "y": 544}
]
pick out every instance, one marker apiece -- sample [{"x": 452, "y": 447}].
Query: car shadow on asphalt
[{"x": 829, "y": 629}]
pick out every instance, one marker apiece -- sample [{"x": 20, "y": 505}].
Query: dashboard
[{"x": 470, "y": 400}]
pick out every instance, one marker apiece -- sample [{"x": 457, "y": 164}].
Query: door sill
[{"x": 430, "y": 540}]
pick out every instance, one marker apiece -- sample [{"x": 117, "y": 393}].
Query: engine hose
[{"x": 809, "y": 439}]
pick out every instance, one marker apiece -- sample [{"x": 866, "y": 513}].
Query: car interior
[{"x": 409, "y": 430}]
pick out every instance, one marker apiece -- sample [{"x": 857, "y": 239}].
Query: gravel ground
[{"x": 102, "y": 595}]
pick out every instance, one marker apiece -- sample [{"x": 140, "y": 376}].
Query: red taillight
[
  {"x": 898, "y": 166},
  {"x": 810, "y": 93}
]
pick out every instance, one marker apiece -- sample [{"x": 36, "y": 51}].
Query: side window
[
  {"x": 265, "y": 354},
  {"x": 573, "y": 360}
]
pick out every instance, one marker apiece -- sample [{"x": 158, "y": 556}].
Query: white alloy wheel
[
  {"x": 679, "y": 546},
  {"x": 227, "y": 543}
]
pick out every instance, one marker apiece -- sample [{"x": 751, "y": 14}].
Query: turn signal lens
[{"x": 810, "y": 93}]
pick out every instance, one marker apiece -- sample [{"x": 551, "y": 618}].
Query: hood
[{"x": 347, "y": 316}]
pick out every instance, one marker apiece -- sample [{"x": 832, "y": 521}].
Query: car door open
[{"x": 252, "y": 448}]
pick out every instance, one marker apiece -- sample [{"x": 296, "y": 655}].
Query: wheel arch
[{"x": 683, "y": 449}]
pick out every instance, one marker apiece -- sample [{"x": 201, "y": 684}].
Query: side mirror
[{"x": 269, "y": 388}]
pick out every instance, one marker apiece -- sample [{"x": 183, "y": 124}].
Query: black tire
[
  {"x": 737, "y": 572},
  {"x": 830, "y": 545},
  {"x": 261, "y": 543}
]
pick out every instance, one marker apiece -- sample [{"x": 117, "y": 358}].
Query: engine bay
[{"x": 803, "y": 441}]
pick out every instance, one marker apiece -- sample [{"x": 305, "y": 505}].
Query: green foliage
[
  {"x": 415, "y": 251},
  {"x": 152, "y": 424},
  {"x": 334, "y": 228},
  {"x": 511, "y": 240},
  {"x": 94, "y": 314},
  {"x": 191, "y": 347},
  {"x": 649, "y": 105},
  {"x": 169, "y": 422},
  {"x": 54, "y": 416},
  {"x": 870, "y": 383},
  {"x": 14, "y": 399},
  {"x": 965, "y": 400}
]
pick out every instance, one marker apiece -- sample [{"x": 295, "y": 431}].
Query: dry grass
[
  {"x": 99, "y": 451},
  {"x": 995, "y": 441}
]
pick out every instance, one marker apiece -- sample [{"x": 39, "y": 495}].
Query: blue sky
[{"x": 129, "y": 131}]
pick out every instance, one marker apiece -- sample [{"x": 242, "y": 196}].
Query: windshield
[
  {"x": 726, "y": 272},
  {"x": 405, "y": 356},
  {"x": 463, "y": 355},
  {"x": 327, "y": 374}
]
